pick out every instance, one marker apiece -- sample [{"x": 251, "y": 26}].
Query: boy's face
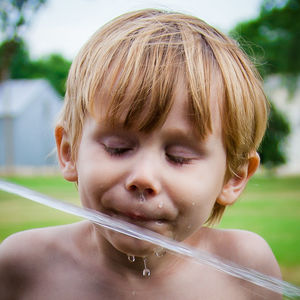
[{"x": 167, "y": 180}]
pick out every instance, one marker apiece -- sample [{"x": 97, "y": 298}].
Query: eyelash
[
  {"x": 116, "y": 151},
  {"x": 177, "y": 160}
]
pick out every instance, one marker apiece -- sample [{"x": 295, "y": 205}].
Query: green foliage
[
  {"x": 54, "y": 68},
  {"x": 15, "y": 61},
  {"x": 274, "y": 46},
  {"x": 271, "y": 151},
  {"x": 15, "y": 16},
  {"x": 7, "y": 54},
  {"x": 19, "y": 62},
  {"x": 274, "y": 36}
]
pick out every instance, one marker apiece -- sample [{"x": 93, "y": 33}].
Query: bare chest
[{"x": 69, "y": 282}]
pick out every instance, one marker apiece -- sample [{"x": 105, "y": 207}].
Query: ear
[
  {"x": 67, "y": 165},
  {"x": 233, "y": 188}
]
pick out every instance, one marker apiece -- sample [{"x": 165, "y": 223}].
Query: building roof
[{"x": 17, "y": 94}]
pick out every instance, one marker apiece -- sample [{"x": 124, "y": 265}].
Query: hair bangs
[
  {"x": 200, "y": 69},
  {"x": 137, "y": 90}
]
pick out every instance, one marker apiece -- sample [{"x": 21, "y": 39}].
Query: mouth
[{"x": 138, "y": 218}]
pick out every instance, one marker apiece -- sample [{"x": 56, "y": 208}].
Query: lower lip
[{"x": 143, "y": 222}]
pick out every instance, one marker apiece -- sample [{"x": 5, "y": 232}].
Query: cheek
[
  {"x": 198, "y": 188},
  {"x": 96, "y": 175},
  {"x": 195, "y": 196}
]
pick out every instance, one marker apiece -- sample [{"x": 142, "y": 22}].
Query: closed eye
[
  {"x": 178, "y": 160},
  {"x": 116, "y": 151}
]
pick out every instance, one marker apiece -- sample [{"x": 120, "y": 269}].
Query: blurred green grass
[
  {"x": 17, "y": 214},
  {"x": 270, "y": 206}
]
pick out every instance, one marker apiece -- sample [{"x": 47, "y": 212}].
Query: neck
[{"x": 152, "y": 265}]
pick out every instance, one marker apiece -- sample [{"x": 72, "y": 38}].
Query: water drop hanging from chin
[{"x": 146, "y": 271}]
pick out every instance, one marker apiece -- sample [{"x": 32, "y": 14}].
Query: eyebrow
[{"x": 185, "y": 136}]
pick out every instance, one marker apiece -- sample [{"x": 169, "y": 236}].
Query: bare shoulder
[
  {"x": 32, "y": 241},
  {"x": 23, "y": 255},
  {"x": 245, "y": 248}
]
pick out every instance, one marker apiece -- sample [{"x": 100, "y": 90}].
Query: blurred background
[{"x": 39, "y": 39}]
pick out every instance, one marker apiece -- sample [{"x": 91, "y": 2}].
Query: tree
[
  {"x": 272, "y": 152},
  {"x": 54, "y": 68},
  {"x": 274, "y": 46},
  {"x": 15, "y": 16},
  {"x": 274, "y": 36},
  {"x": 20, "y": 61}
]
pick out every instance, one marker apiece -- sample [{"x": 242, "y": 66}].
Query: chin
[{"x": 129, "y": 245}]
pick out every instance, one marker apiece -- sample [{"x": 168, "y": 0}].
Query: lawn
[{"x": 270, "y": 206}]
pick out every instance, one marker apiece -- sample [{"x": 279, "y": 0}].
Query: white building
[
  {"x": 290, "y": 106},
  {"x": 27, "y": 112}
]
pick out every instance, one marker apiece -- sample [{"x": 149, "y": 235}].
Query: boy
[{"x": 162, "y": 118}]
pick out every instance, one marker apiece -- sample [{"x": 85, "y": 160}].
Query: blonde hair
[{"x": 132, "y": 65}]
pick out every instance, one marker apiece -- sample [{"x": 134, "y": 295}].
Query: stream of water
[{"x": 268, "y": 282}]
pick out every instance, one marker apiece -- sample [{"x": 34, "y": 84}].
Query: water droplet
[
  {"x": 131, "y": 258},
  {"x": 160, "y": 205},
  {"x": 142, "y": 197},
  {"x": 193, "y": 203},
  {"x": 189, "y": 226},
  {"x": 146, "y": 271},
  {"x": 160, "y": 252}
]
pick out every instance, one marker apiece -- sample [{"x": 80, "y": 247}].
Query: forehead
[
  {"x": 149, "y": 117},
  {"x": 181, "y": 110}
]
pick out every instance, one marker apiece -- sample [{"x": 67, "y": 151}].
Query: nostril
[
  {"x": 133, "y": 188},
  {"x": 149, "y": 191}
]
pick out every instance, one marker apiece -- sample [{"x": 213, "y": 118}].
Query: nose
[{"x": 144, "y": 178}]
